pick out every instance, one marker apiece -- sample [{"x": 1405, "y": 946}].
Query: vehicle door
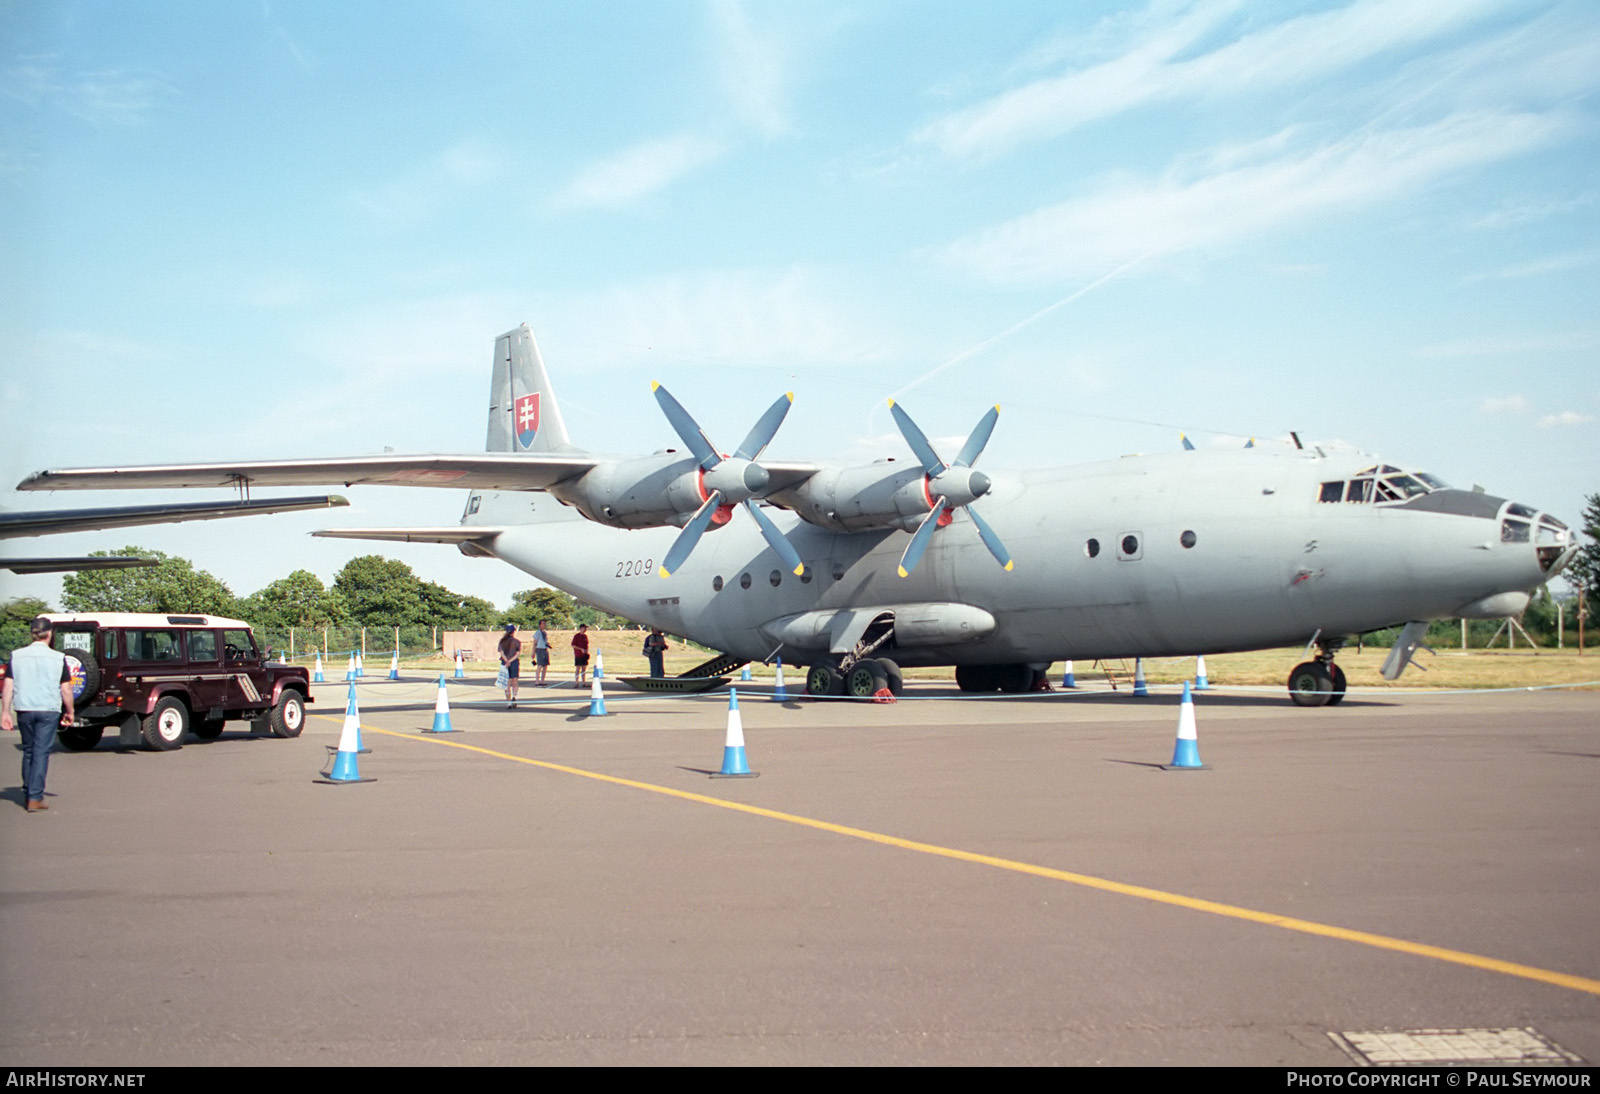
[
  {"x": 208, "y": 681},
  {"x": 242, "y": 663},
  {"x": 155, "y": 663}
]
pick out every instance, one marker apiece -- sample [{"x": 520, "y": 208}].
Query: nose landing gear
[{"x": 1319, "y": 682}]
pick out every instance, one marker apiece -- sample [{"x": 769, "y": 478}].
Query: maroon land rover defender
[{"x": 158, "y": 677}]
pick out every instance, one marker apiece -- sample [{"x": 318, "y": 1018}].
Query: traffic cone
[
  {"x": 441, "y": 711},
  {"x": 1200, "y": 681},
  {"x": 345, "y": 766},
  {"x": 461, "y": 670},
  {"x": 780, "y": 694},
  {"x": 359, "y": 672},
  {"x": 734, "y": 765},
  {"x": 350, "y": 667},
  {"x": 1186, "y": 752},
  {"x": 316, "y": 677},
  {"x": 744, "y": 675},
  {"x": 1139, "y": 687},
  {"x": 597, "y": 698},
  {"x": 394, "y": 666},
  {"x": 1068, "y": 680},
  {"x": 599, "y": 665}
]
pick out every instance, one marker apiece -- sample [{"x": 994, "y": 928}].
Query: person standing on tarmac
[
  {"x": 36, "y": 698},
  {"x": 655, "y": 649},
  {"x": 541, "y": 655},
  {"x": 510, "y": 650}
]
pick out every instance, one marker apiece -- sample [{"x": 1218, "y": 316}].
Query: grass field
[{"x": 1446, "y": 669}]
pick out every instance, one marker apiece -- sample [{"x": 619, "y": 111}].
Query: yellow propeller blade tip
[
  {"x": 664, "y": 572},
  {"x": 654, "y": 384},
  {"x": 904, "y": 572},
  {"x": 1008, "y": 567},
  {"x": 800, "y": 569}
]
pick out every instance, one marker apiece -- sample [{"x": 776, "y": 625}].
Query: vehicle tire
[
  {"x": 164, "y": 727},
  {"x": 891, "y": 672},
  {"x": 822, "y": 680},
  {"x": 80, "y": 738},
  {"x": 1014, "y": 679},
  {"x": 1310, "y": 684},
  {"x": 209, "y": 729},
  {"x": 86, "y": 676},
  {"x": 865, "y": 680},
  {"x": 1337, "y": 674},
  {"x": 976, "y": 677},
  {"x": 288, "y": 714}
]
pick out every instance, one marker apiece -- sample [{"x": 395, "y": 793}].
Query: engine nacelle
[
  {"x": 860, "y": 499},
  {"x": 649, "y": 492}
]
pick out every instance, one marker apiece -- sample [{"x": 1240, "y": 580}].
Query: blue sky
[{"x": 262, "y": 230}]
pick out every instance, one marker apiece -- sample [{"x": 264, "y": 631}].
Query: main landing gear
[
  {"x": 858, "y": 673},
  {"x": 1319, "y": 682}
]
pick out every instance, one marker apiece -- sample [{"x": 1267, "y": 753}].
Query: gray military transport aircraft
[{"x": 860, "y": 570}]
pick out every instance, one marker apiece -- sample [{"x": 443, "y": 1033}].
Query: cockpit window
[
  {"x": 1382, "y": 484},
  {"x": 1517, "y": 510},
  {"x": 1514, "y": 531}
]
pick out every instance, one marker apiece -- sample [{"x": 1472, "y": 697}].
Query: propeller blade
[
  {"x": 687, "y": 428},
  {"x": 919, "y": 542},
  {"x": 684, "y": 544},
  {"x": 762, "y": 432},
  {"x": 782, "y": 547},
  {"x": 978, "y": 438},
  {"x": 990, "y": 540},
  {"x": 931, "y": 463}
]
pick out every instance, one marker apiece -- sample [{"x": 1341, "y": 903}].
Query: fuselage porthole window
[
  {"x": 805, "y": 576},
  {"x": 716, "y": 584},
  {"x": 1092, "y": 548},
  {"x": 776, "y": 577},
  {"x": 838, "y": 571},
  {"x": 1187, "y": 539},
  {"x": 1128, "y": 547},
  {"x": 744, "y": 581}
]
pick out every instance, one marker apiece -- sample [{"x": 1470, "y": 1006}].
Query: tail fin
[{"x": 523, "y": 416}]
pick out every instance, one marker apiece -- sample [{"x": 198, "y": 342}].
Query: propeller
[
  {"x": 726, "y": 481},
  {"x": 949, "y": 486}
]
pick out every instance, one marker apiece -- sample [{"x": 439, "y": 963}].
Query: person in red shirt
[{"x": 580, "y": 655}]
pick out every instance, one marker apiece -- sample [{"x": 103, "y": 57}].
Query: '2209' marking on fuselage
[{"x": 637, "y": 568}]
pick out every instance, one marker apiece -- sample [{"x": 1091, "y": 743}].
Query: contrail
[{"x": 973, "y": 351}]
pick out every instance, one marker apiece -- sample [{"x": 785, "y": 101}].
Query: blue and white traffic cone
[
  {"x": 599, "y": 665},
  {"x": 359, "y": 672},
  {"x": 441, "y": 711},
  {"x": 780, "y": 694},
  {"x": 1200, "y": 681},
  {"x": 744, "y": 675},
  {"x": 345, "y": 766},
  {"x": 350, "y": 667},
  {"x": 1186, "y": 752},
  {"x": 734, "y": 765},
  {"x": 461, "y": 670},
  {"x": 597, "y": 698},
  {"x": 316, "y": 677},
  {"x": 1068, "y": 680},
  {"x": 394, "y": 666},
  {"x": 1139, "y": 687}
]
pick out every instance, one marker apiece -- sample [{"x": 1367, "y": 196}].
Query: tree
[
  {"x": 172, "y": 585},
  {"x": 1585, "y": 569},
  {"x": 455, "y": 611},
  {"x": 299, "y": 600},
  {"x": 15, "y": 615},
  {"x": 381, "y": 592},
  {"x": 531, "y": 605}
]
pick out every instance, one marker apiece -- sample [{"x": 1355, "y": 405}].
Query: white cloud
[
  {"x": 1565, "y": 418},
  {"x": 753, "y": 68},
  {"x": 1156, "y": 68},
  {"x": 112, "y": 96},
  {"x": 636, "y": 172},
  {"x": 440, "y": 179},
  {"x": 1503, "y": 404},
  {"x": 1129, "y": 218}
]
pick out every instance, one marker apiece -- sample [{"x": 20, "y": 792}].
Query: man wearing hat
[
  {"x": 36, "y": 698},
  {"x": 511, "y": 657}
]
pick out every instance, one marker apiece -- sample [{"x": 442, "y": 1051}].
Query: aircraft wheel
[
  {"x": 824, "y": 680},
  {"x": 1338, "y": 684},
  {"x": 1014, "y": 679},
  {"x": 80, "y": 738},
  {"x": 164, "y": 727},
  {"x": 1310, "y": 684},
  {"x": 891, "y": 672},
  {"x": 975, "y": 677},
  {"x": 864, "y": 681}
]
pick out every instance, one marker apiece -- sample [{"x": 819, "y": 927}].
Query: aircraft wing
[
  {"x": 51, "y": 521},
  {"x": 62, "y": 564},
  {"x": 453, "y": 533},
  {"x": 488, "y": 470}
]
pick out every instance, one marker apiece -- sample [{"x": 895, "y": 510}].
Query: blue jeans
[{"x": 38, "y": 728}]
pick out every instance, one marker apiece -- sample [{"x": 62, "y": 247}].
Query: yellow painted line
[{"x": 1159, "y": 896}]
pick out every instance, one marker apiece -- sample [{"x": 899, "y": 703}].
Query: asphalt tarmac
[{"x": 941, "y": 881}]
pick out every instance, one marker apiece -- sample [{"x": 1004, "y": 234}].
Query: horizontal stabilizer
[
  {"x": 486, "y": 471},
  {"x": 454, "y": 533},
  {"x": 52, "y": 521},
  {"x": 61, "y": 565}
]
